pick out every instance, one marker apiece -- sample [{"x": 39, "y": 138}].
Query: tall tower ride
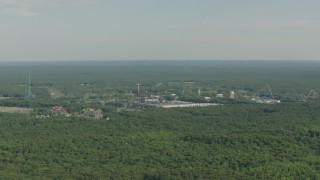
[
  {"x": 27, "y": 91},
  {"x": 139, "y": 89}
]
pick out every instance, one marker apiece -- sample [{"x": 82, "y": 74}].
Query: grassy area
[{"x": 14, "y": 109}]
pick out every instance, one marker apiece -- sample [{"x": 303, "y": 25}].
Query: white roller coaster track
[{"x": 304, "y": 98}]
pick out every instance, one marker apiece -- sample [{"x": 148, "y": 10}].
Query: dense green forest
[{"x": 240, "y": 140}]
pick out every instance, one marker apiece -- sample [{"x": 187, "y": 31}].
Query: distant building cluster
[
  {"x": 265, "y": 101},
  {"x": 61, "y": 110},
  {"x": 181, "y": 104}
]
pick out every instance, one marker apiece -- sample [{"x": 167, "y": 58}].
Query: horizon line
[{"x": 150, "y": 60}]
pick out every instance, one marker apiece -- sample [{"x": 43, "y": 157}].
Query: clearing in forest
[{"x": 14, "y": 109}]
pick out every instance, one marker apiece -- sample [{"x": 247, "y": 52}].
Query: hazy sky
[{"x": 159, "y": 29}]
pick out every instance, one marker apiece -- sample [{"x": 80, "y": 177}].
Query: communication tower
[
  {"x": 139, "y": 88},
  {"x": 27, "y": 91}
]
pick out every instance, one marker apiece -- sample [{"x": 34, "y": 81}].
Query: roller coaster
[
  {"x": 241, "y": 94},
  {"x": 293, "y": 95},
  {"x": 265, "y": 96}
]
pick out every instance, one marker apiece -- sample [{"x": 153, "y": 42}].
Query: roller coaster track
[
  {"x": 242, "y": 94},
  {"x": 311, "y": 96},
  {"x": 302, "y": 97},
  {"x": 265, "y": 92}
]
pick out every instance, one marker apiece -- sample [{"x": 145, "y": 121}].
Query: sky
[{"x": 59, "y": 30}]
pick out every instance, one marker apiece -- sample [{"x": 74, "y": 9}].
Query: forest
[{"x": 237, "y": 140}]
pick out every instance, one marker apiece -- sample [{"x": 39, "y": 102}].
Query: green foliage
[{"x": 234, "y": 141}]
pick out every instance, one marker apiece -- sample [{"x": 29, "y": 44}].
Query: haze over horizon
[{"x": 59, "y": 30}]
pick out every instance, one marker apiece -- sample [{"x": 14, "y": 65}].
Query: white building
[
  {"x": 219, "y": 96},
  {"x": 231, "y": 94}
]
